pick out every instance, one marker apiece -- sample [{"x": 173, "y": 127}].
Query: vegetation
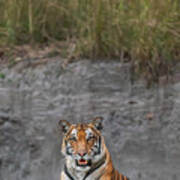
[{"x": 146, "y": 32}]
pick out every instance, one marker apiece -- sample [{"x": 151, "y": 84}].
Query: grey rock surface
[{"x": 141, "y": 126}]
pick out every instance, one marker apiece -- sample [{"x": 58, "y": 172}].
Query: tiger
[{"x": 86, "y": 155}]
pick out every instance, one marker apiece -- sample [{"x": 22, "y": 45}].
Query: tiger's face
[{"x": 82, "y": 143}]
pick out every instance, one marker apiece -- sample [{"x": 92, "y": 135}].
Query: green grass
[{"x": 146, "y": 32}]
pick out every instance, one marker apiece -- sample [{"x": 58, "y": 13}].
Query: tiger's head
[{"x": 82, "y": 143}]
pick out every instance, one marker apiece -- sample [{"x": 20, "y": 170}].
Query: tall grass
[{"x": 146, "y": 32}]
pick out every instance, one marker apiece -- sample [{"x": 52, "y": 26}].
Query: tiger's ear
[
  {"x": 65, "y": 125},
  {"x": 97, "y": 123}
]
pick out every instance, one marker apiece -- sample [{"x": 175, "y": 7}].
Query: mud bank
[{"x": 141, "y": 126}]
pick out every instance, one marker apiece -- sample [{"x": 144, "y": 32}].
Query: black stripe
[
  {"x": 67, "y": 173},
  {"x": 67, "y": 148},
  {"x": 98, "y": 165},
  {"x": 67, "y": 151},
  {"x": 99, "y": 145},
  {"x": 99, "y": 148}
]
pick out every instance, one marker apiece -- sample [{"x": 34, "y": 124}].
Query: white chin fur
[{"x": 79, "y": 168}]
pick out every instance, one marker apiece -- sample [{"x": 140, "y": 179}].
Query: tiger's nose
[{"x": 82, "y": 154}]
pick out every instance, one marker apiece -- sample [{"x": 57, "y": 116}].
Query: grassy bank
[{"x": 145, "y": 31}]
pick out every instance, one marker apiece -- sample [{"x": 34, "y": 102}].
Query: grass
[{"x": 145, "y": 32}]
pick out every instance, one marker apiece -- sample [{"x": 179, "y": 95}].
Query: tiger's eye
[
  {"x": 90, "y": 138},
  {"x": 72, "y": 139}
]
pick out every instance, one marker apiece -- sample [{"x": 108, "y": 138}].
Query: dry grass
[{"x": 147, "y": 32}]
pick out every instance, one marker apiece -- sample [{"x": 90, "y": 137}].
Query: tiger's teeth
[{"x": 82, "y": 162}]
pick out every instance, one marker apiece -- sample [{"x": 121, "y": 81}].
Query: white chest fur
[{"x": 72, "y": 175}]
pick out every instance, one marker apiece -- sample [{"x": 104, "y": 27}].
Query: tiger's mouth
[{"x": 83, "y": 162}]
